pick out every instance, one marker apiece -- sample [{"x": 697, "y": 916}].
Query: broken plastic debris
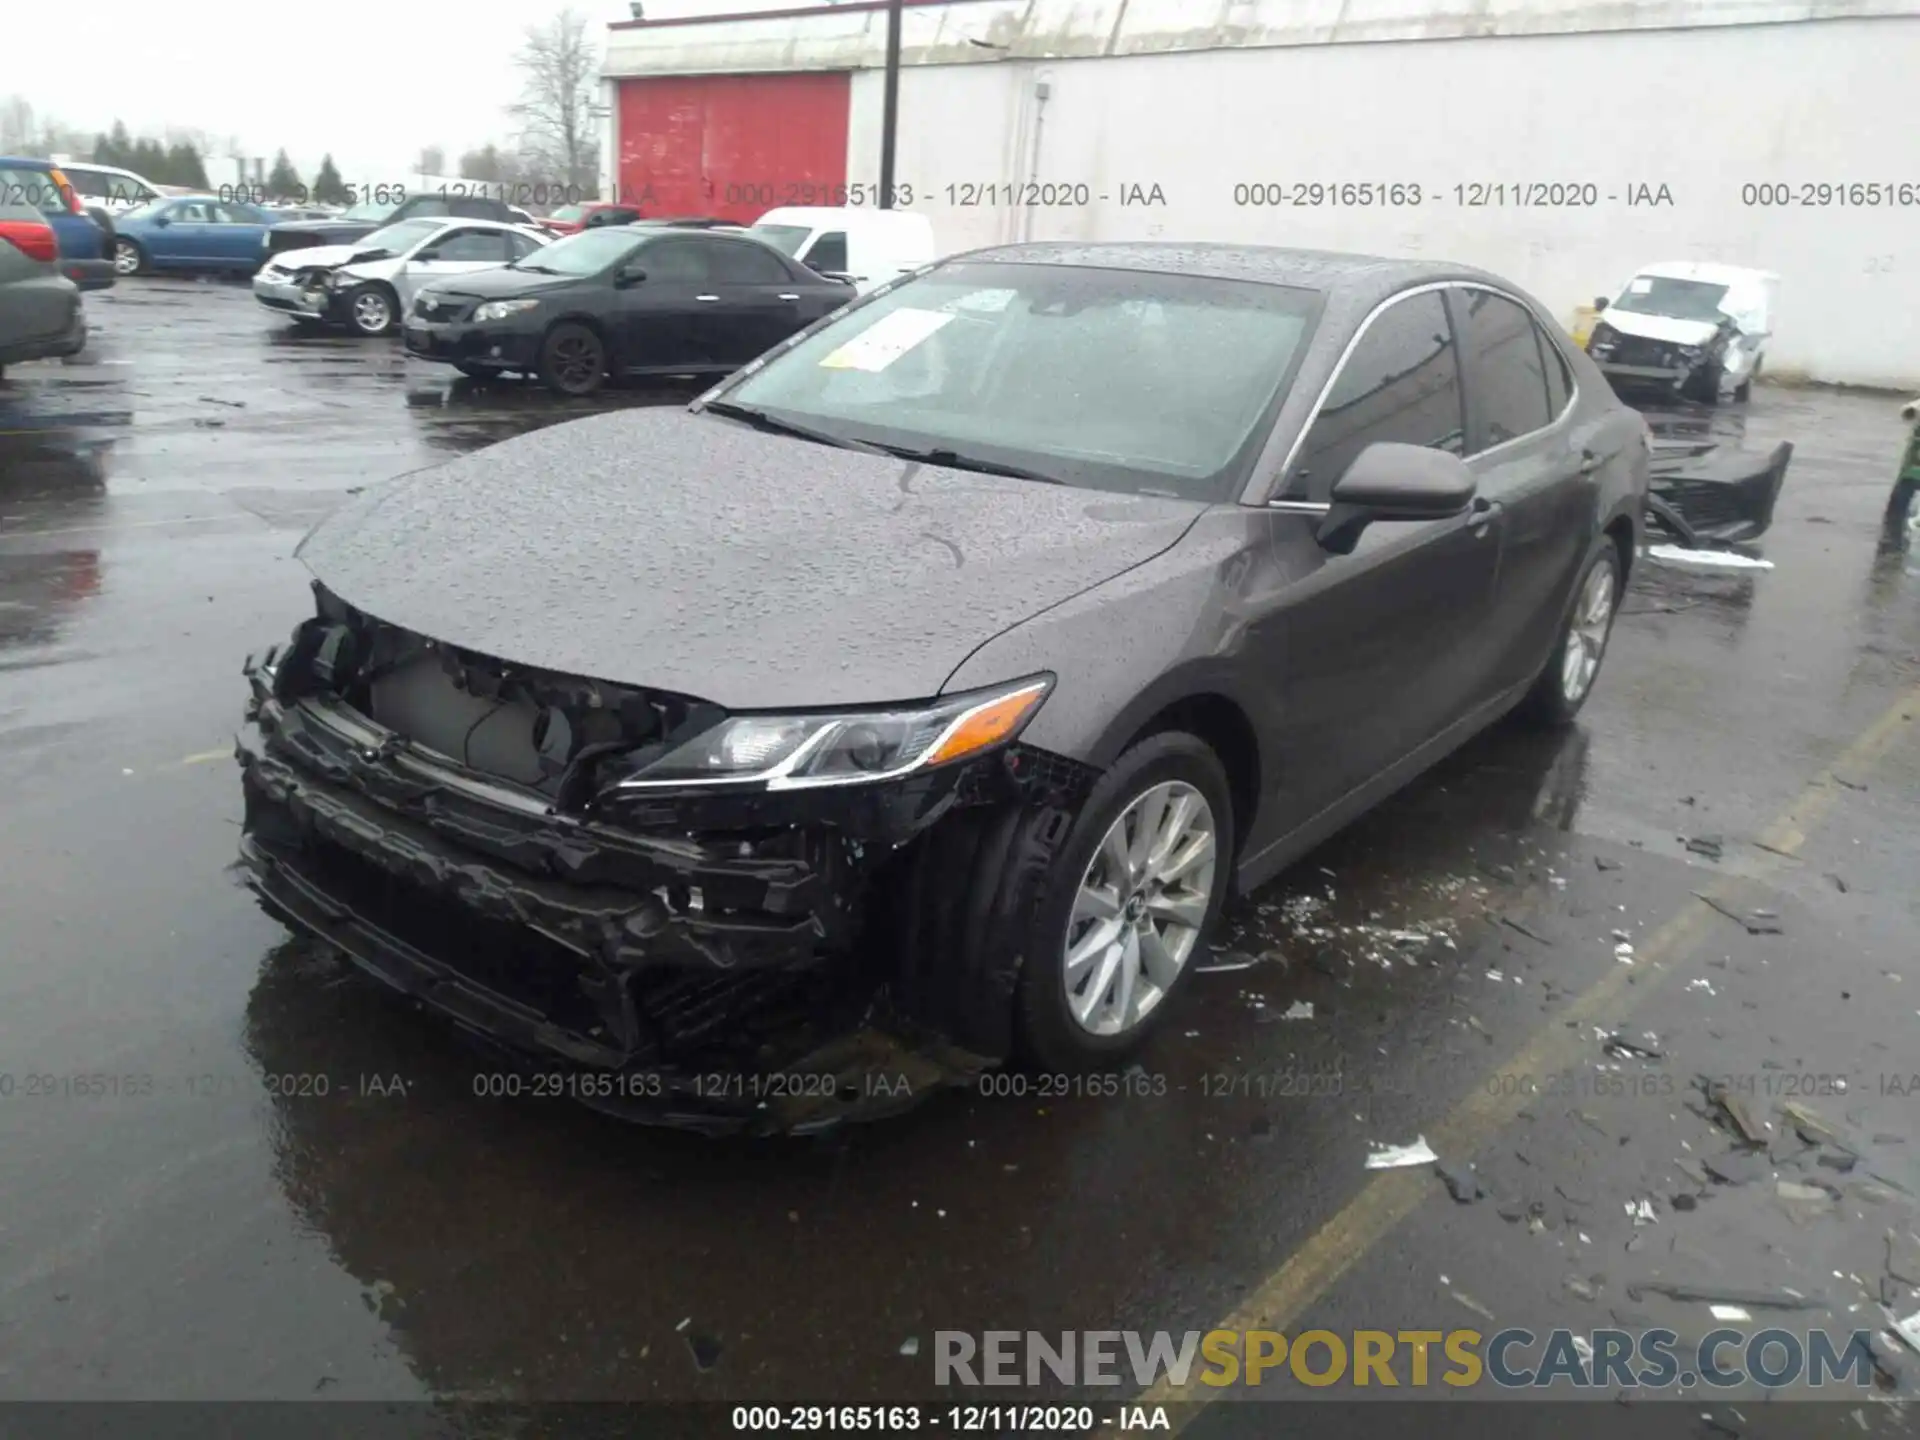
[
  {"x": 1227, "y": 961},
  {"x": 1394, "y": 1157},
  {"x": 910, "y": 1346},
  {"x": 1728, "y": 1312},
  {"x": 1717, "y": 559},
  {"x": 1702, "y": 984},
  {"x": 1623, "y": 952},
  {"x": 1739, "y": 1116},
  {"x": 1461, "y": 1182},
  {"x": 1642, "y": 1212},
  {"x": 1299, "y": 1010},
  {"x": 1479, "y": 1309},
  {"x": 1907, "y": 1329},
  {"x": 1782, "y": 1299}
]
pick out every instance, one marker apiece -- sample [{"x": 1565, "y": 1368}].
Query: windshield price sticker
[{"x": 886, "y": 340}]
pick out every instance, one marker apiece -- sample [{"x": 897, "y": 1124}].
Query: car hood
[
  {"x": 502, "y": 283},
  {"x": 336, "y": 231},
  {"x": 1659, "y": 327},
  {"x": 312, "y": 257},
  {"x": 685, "y": 552}
]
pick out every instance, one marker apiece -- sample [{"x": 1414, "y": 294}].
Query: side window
[
  {"x": 829, "y": 252},
  {"x": 1559, "y": 382},
  {"x": 1506, "y": 375},
  {"x": 472, "y": 207},
  {"x": 471, "y": 247},
  {"x": 428, "y": 205},
  {"x": 192, "y": 212},
  {"x": 731, "y": 262},
  {"x": 92, "y": 184},
  {"x": 620, "y": 217},
  {"x": 1401, "y": 383},
  {"x": 236, "y": 215},
  {"x": 678, "y": 262}
]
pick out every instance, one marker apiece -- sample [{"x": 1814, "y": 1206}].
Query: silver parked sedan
[{"x": 366, "y": 285}]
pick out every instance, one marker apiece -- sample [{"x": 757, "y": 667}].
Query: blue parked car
[
  {"x": 190, "y": 232},
  {"x": 85, "y": 239}
]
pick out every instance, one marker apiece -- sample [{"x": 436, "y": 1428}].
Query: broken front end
[
  {"x": 1709, "y": 494},
  {"x": 717, "y": 920}
]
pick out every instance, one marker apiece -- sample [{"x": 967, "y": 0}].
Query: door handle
[
  {"x": 706, "y": 297},
  {"x": 1589, "y": 462},
  {"x": 1485, "y": 512},
  {"x": 787, "y": 295}
]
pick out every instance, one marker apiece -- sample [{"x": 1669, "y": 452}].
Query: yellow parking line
[
  {"x": 206, "y": 755},
  {"x": 1278, "y": 1301}
]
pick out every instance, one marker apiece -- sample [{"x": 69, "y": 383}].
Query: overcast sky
[{"x": 371, "y": 84}]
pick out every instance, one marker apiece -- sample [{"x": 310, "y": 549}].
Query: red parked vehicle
[{"x": 572, "y": 219}]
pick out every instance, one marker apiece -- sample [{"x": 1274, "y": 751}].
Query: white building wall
[{"x": 1701, "y": 111}]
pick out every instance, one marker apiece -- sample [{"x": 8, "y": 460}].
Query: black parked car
[
  {"x": 360, "y": 221},
  {"x": 652, "y": 298},
  {"x": 914, "y": 700}
]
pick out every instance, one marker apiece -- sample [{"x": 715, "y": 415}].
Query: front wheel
[
  {"x": 371, "y": 309},
  {"x": 1127, "y": 908},
  {"x": 572, "y": 360},
  {"x": 128, "y": 258},
  {"x": 1570, "y": 671}
]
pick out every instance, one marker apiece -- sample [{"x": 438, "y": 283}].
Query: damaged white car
[{"x": 1697, "y": 330}]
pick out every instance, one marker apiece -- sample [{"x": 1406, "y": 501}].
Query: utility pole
[{"x": 890, "y": 105}]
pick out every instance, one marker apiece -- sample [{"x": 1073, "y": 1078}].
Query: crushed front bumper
[
  {"x": 289, "y": 297},
  {"x": 675, "y": 977},
  {"x": 1713, "y": 494}
]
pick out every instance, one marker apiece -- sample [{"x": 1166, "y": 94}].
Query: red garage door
[{"x": 732, "y": 145}]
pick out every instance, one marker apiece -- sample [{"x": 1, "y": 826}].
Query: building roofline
[{"x": 789, "y": 12}]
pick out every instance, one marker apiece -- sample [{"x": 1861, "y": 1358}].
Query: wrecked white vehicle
[
  {"x": 1697, "y": 330},
  {"x": 367, "y": 284}
]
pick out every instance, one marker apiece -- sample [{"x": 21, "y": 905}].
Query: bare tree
[
  {"x": 560, "y": 83},
  {"x": 18, "y": 133}
]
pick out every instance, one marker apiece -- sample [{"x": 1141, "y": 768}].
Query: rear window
[{"x": 32, "y": 188}]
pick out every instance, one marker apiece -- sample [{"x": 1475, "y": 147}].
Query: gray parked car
[
  {"x": 927, "y": 687},
  {"x": 40, "y": 309}
]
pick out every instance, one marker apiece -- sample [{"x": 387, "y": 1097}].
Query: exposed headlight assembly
[
  {"x": 794, "y": 752},
  {"x": 501, "y": 309}
]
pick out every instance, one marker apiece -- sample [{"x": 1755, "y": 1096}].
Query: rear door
[
  {"x": 756, "y": 300},
  {"x": 1380, "y": 648},
  {"x": 1522, "y": 447},
  {"x": 233, "y": 235}
]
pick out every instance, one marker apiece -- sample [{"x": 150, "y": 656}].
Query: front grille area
[
  {"x": 1638, "y": 350},
  {"x": 428, "y": 307}
]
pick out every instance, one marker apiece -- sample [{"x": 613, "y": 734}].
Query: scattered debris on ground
[
  {"x": 1758, "y": 922},
  {"x": 1394, "y": 1157},
  {"x": 1714, "y": 559}
]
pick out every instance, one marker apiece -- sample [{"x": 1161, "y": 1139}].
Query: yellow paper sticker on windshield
[{"x": 886, "y": 340}]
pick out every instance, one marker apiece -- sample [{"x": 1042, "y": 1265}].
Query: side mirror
[
  {"x": 160, "y": 220},
  {"x": 629, "y": 275},
  {"x": 1599, "y": 302},
  {"x": 1391, "y": 481}
]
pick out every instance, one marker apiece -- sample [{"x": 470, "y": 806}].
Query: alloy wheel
[
  {"x": 126, "y": 258},
  {"x": 576, "y": 362},
  {"x": 1587, "y": 633},
  {"x": 371, "y": 312},
  {"x": 1141, "y": 904}
]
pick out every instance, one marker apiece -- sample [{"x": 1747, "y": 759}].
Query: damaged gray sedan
[{"x": 911, "y": 703}]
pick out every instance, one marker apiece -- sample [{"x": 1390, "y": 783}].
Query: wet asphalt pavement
[{"x": 297, "y": 1192}]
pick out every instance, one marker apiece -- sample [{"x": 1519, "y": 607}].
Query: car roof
[
  {"x": 1706, "y": 272},
  {"x": 1354, "y": 284}
]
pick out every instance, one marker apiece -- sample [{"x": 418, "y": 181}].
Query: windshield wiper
[
  {"x": 955, "y": 460},
  {"x": 538, "y": 269},
  {"x": 761, "y": 420}
]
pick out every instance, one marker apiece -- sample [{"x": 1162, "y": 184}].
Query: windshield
[
  {"x": 1674, "y": 299},
  {"x": 1113, "y": 379},
  {"x": 785, "y": 238},
  {"x": 371, "y": 210},
  {"x": 567, "y": 214},
  {"x": 397, "y": 239},
  {"x": 587, "y": 253}
]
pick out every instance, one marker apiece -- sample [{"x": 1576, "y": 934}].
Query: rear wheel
[
  {"x": 1127, "y": 906},
  {"x": 572, "y": 360},
  {"x": 128, "y": 258},
  {"x": 1570, "y": 671}
]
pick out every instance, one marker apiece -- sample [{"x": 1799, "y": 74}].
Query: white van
[
  {"x": 869, "y": 247},
  {"x": 108, "y": 187}
]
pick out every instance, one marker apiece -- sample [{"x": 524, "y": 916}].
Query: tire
[
  {"x": 1564, "y": 684},
  {"x": 371, "y": 309},
  {"x": 128, "y": 257},
  {"x": 573, "y": 361},
  {"x": 1703, "y": 386},
  {"x": 1063, "y": 1026}
]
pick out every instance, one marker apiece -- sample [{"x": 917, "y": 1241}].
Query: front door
[
  {"x": 670, "y": 318},
  {"x": 187, "y": 239},
  {"x": 1379, "y": 647}
]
